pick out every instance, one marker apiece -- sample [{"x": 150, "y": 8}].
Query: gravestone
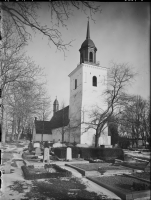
[
  {"x": 36, "y": 144},
  {"x": 46, "y": 155},
  {"x": 38, "y": 151},
  {"x": 69, "y": 154}
]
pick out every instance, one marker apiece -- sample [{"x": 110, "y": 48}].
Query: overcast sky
[{"x": 120, "y": 33}]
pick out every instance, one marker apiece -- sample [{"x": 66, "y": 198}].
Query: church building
[{"x": 72, "y": 124}]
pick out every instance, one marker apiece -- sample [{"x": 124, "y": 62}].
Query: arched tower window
[
  {"x": 94, "y": 81},
  {"x": 82, "y": 58},
  {"x": 91, "y": 57},
  {"x": 75, "y": 83}
]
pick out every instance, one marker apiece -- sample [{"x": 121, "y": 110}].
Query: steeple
[
  {"x": 55, "y": 106},
  {"x": 88, "y": 49},
  {"x": 88, "y": 31}
]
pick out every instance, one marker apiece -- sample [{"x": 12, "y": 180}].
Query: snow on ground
[
  {"x": 6, "y": 193},
  {"x": 141, "y": 156}
]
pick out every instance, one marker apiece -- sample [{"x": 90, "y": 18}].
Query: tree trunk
[
  {"x": 3, "y": 125},
  {"x": 19, "y": 134},
  {"x": 62, "y": 134},
  {"x": 97, "y": 139},
  {"x": 98, "y": 133}
]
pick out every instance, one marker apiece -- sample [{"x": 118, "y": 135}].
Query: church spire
[
  {"x": 55, "y": 106},
  {"x": 88, "y": 49},
  {"x": 88, "y": 30}
]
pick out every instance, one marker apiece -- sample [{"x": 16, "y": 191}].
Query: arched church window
[
  {"x": 94, "y": 81},
  {"x": 75, "y": 83},
  {"x": 91, "y": 57}
]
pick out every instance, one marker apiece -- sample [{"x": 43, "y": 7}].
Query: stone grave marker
[
  {"x": 36, "y": 144},
  {"x": 46, "y": 155},
  {"x": 38, "y": 151},
  {"x": 69, "y": 154}
]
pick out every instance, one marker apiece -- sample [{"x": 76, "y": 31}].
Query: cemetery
[
  {"x": 114, "y": 169},
  {"x": 124, "y": 186}
]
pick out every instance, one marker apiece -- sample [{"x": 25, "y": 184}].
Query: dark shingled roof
[
  {"x": 43, "y": 126},
  {"x": 88, "y": 43},
  {"x": 60, "y": 118}
]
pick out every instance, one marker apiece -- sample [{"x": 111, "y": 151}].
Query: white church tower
[{"x": 87, "y": 84}]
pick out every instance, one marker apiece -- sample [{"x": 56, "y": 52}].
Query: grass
[
  {"x": 121, "y": 182},
  {"x": 143, "y": 175},
  {"x": 91, "y": 166},
  {"x": 62, "y": 189},
  {"x": 135, "y": 165},
  {"x": 54, "y": 171}
]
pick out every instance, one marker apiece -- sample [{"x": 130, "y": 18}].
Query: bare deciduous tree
[
  {"x": 17, "y": 70},
  {"x": 25, "y": 102},
  {"x": 25, "y": 16},
  {"x": 134, "y": 120},
  {"x": 119, "y": 76},
  {"x": 16, "y": 21}
]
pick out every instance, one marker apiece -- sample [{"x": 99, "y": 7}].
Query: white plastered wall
[
  {"x": 75, "y": 104},
  {"x": 92, "y": 97},
  {"x": 57, "y": 134},
  {"x": 46, "y": 137},
  {"x": 86, "y": 98}
]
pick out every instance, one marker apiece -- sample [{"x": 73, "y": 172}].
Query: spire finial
[{"x": 88, "y": 30}]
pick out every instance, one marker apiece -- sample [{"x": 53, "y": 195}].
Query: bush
[
  {"x": 60, "y": 152},
  {"x": 102, "y": 153},
  {"x": 92, "y": 152},
  {"x": 124, "y": 142}
]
